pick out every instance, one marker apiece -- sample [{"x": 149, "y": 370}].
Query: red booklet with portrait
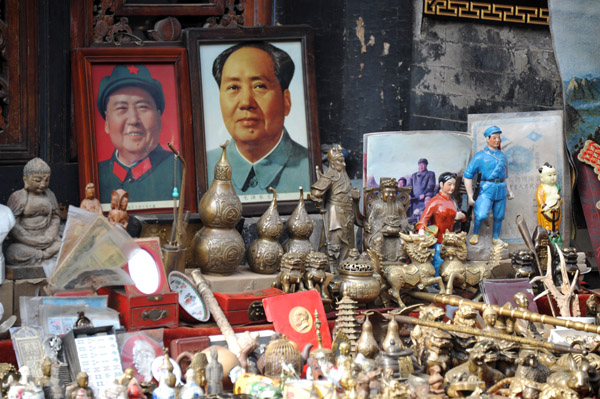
[{"x": 293, "y": 315}]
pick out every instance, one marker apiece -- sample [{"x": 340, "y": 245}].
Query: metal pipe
[
  {"x": 489, "y": 334},
  {"x": 508, "y": 312}
]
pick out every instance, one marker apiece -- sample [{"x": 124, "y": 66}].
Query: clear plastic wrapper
[
  {"x": 96, "y": 259},
  {"x": 60, "y": 319},
  {"x": 29, "y": 306}
]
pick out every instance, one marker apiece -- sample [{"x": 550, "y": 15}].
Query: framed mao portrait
[
  {"x": 131, "y": 106},
  {"x": 253, "y": 88}
]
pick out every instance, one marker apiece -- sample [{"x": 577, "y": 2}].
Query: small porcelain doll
[{"x": 549, "y": 202}]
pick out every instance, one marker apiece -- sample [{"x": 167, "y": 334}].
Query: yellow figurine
[{"x": 549, "y": 202}]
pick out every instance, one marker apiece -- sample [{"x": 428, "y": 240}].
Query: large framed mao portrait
[
  {"x": 254, "y": 89},
  {"x": 130, "y": 105}
]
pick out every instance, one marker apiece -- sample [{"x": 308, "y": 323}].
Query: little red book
[{"x": 293, "y": 315}]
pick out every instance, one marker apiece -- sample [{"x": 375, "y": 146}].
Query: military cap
[
  {"x": 423, "y": 160},
  {"x": 129, "y": 75},
  {"x": 491, "y": 130}
]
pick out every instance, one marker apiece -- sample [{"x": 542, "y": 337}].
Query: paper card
[{"x": 293, "y": 315}]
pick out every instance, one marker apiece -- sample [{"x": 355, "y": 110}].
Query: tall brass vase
[
  {"x": 218, "y": 247},
  {"x": 264, "y": 254},
  {"x": 299, "y": 228}
]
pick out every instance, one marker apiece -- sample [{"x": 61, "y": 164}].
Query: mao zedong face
[
  {"x": 133, "y": 123},
  {"x": 252, "y": 102}
]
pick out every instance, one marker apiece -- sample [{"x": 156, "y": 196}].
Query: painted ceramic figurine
[
  {"x": 35, "y": 236},
  {"x": 118, "y": 203},
  {"x": 549, "y": 202},
  {"x": 90, "y": 202},
  {"x": 386, "y": 217},
  {"x": 334, "y": 195},
  {"x": 441, "y": 211},
  {"x": 493, "y": 187}
]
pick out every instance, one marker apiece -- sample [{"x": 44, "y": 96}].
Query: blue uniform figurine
[{"x": 493, "y": 188}]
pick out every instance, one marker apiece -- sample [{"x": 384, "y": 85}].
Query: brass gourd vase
[
  {"x": 218, "y": 247},
  {"x": 299, "y": 228},
  {"x": 264, "y": 254}
]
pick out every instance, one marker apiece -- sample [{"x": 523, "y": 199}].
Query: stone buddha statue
[{"x": 35, "y": 236}]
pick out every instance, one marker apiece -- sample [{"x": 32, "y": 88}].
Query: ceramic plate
[{"x": 190, "y": 299}]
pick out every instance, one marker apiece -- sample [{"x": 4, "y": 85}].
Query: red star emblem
[{"x": 133, "y": 69}]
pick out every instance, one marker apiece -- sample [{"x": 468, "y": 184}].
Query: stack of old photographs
[{"x": 92, "y": 254}]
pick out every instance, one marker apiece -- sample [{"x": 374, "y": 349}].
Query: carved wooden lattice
[{"x": 108, "y": 27}]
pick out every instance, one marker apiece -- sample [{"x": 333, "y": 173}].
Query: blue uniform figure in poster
[{"x": 493, "y": 189}]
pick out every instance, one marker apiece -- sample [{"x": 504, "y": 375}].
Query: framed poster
[
  {"x": 254, "y": 89},
  {"x": 130, "y": 103}
]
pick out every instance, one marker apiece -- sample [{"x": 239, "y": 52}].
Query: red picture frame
[{"x": 168, "y": 66}]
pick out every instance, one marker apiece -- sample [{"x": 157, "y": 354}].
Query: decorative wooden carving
[
  {"x": 105, "y": 27},
  {"x": 18, "y": 80},
  {"x": 136, "y": 7},
  {"x": 233, "y": 15}
]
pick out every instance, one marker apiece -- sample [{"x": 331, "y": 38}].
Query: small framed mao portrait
[{"x": 132, "y": 118}]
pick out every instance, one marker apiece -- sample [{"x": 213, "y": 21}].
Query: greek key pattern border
[{"x": 487, "y": 11}]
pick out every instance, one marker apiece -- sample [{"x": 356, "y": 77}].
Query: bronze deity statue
[
  {"x": 264, "y": 254},
  {"x": 218, "y": 247},
  {"x": 334, "y": 195},
  {"x": 386, "y": 218},
  {"x": 35, "y": 237}
]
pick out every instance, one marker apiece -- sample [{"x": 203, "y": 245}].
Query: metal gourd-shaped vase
[
  {"x": 264, "y": 254},
  {"x": 218, "y": 247},
  {"x": 299, "y": 228}
]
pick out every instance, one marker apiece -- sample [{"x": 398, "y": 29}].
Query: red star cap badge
[{"x": 133, "y": 69}]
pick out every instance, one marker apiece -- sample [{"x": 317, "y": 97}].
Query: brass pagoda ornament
[
  {"x": 264, "y": 254},
  {"x": 218, "y": 247}
]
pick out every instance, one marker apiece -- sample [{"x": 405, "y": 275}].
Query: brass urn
[
  {"x": 264, "y": 254},
  {"x": 218, "y": 247},
  {"x": 299, "y": 228},
  {"x": 355, "y": 279}
]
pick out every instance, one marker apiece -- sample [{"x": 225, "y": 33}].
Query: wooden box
[
  {"x": 137, "y": 312},
  {"x": 245, "y": 307}
]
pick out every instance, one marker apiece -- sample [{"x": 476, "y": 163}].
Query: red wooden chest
[
  {"x": 245, "y": 307},
  {"x": 137, "y": 312}
]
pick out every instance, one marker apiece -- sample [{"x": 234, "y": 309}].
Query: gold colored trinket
[
  {"x": 367, "y": 345},
  {"x": 355, "y": 279},
  {"x": 299, "y": 228},
  {"x": 264, "y": 254},
  {"x": 282, "y": 351},
  {"x": 218, "y": 247}
]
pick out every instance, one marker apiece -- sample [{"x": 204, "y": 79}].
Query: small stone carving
[
  {"x": 90, "y": 202},
  {"x": 214, "y": 374},
  {"x": 35, "y": 236},
  {"x": 119, "y": 199}
]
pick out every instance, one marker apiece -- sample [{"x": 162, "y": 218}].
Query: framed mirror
[{"x": 146, "y": 269}]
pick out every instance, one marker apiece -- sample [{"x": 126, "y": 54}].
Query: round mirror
[{"x": 144, "y": 271}]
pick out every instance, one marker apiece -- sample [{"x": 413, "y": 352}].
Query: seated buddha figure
[{"x": 35, "y": 237}]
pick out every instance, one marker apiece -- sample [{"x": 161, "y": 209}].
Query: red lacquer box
[
  {"x": 245, "y": 307},
  {"x": 139, "y": 311}
]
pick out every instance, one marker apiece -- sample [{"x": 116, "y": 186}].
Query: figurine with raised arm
[
  {"x": 386, "y": 218},
  {"x": 35, "y": 236},
  {"x": 334, "y": 195},
  {"x": 441, "y": 211},
  {"x": 549, "y": 202},
  {"x": 90, "y": 202},
  {"x": 493, "y": 187}
]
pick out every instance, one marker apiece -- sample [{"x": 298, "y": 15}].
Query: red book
[{"x": 293, "y": 315}]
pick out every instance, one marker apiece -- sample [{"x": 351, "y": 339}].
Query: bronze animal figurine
[{"x": 418, "y": 274}]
